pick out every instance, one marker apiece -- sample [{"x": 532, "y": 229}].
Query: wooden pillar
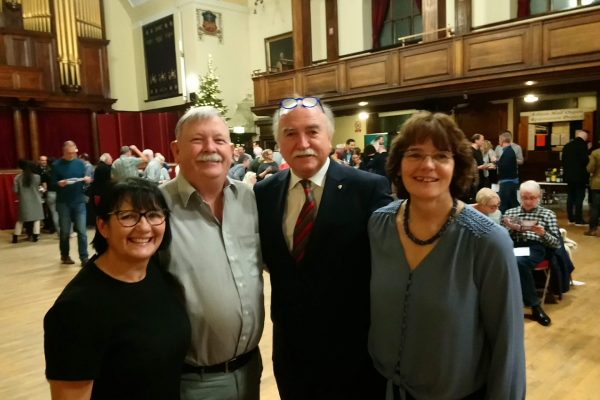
[
  {"x": 462, "y": 17},
  {"x": 301, "y": 33},
  {"x": 95, "y": 138},
  {"x": 34, "y": 134},
  {"x": 19, "y": 138},
  {"x": 434, "y": 18},
  {"x": 331, "y": 21}
]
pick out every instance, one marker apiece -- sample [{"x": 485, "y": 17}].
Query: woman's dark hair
[
  {"x": 27, "y": 167},
  {"x": 445, "y": 136},
  {"x": 142, "y": 194},
  {"x": 369, "y": 150},
  {"x": 475, "y": 137}
]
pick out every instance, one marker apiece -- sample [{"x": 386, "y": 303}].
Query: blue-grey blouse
[{"x": 454, "y": 324}]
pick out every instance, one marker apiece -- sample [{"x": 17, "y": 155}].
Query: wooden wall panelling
[
  {"x": 280, "y": 87},
  {"x": 34, "y": 134},
  {"x": 6, "y": 77},
  {"x": 427, "y": 63},
  {"x": 462, "y": 17},
  {"x": 536, "y": 44},
  {"x": 371, "y": 72},
  {"x": 522, "y": 136},
  {"x": 28, "y": 79},
  {"x": 18, "y": 50},
  {"x": 301, "y": 31},
  {"x": 588, "y": 124},
  {"x": 94, "y": 76},
  {"x": 484, "y": 118},
  {"x": 19, "y": 133},
  {"x": 498, "y": 52},
  {"x": 45, "y": 59},
  {"x": 2, "y": 49},
  {"x": 320, "y": 81},
  {"x": 8, "y": 153},
  {"x": 260, "y": 92},
  {"x": 458, "y": 49},
  {"x": 129, "y": 128},
  {"x": 331, "y": 23},
  {"x": 572, "y": 40},
  {"x": 434, "y": 18}
]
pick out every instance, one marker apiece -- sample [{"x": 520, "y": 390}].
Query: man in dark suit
[
  {"x": 574, "y": 162},
  {"x": 320, "y": 285}
]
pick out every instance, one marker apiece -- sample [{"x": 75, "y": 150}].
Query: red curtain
[
  {"x": 153, "y": 130},
  {"x": 8, "y": 147},
  {"x": 57, "y": 126},
  {"x": 9, "y": 206},
  {"x": 524, "y": 9},
  {"x": 108, "y": 134},
  {"x": 379, "y": 9}
]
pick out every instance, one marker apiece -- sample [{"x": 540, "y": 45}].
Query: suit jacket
[
  {"x": 574, "y": 161},
  {"x": 320, "y": 308}
]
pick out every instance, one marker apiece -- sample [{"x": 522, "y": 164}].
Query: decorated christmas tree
[{"x": 208, "y": 92}]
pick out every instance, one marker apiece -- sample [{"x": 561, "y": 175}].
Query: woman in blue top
[{"x": 446, "y": 310}]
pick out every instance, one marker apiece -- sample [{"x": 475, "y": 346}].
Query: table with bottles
[{"x": 549, "y": 190}]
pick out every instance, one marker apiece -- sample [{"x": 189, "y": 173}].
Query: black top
[
  {"x": 101, "y": 179},
  {"x": 574, "y": 161},
  {"x": 129, "y": 338},
  {"x": 478, "y": 156},
  {"x": 507, "y": 164}
]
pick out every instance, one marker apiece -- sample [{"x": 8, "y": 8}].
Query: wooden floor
[{"x": 563, "y": 360}]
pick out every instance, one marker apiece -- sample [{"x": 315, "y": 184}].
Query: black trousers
[
  {"x": 477, "y": 395},
  {"x": 538, "y": 253},
  {"x": 575, "y": 196}
]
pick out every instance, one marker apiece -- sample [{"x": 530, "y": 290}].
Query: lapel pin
[{"x": 339, "y": 186}]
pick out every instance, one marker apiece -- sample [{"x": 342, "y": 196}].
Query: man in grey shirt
[
  {"x": 154, "y": 167},
  {"x": 215, "y": 254},
  {"x": 507, "y": 135},
  {"x": 126, "y": 166}
]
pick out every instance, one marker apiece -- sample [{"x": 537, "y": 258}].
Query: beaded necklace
[{"x": 435, "y": 237}]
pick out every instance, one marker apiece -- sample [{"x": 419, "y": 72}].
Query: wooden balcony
[{"x": 554, "y": 50}]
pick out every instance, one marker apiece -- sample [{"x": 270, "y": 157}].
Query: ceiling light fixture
[
  {"x": 530, "y": 98},
  {"x": 363, "y": 103},
  {"x": 363, "y": 116},
  {"x": 530, "y": 83}
]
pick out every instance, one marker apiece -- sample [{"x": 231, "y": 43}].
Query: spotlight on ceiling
[
  {"x": 530, "y": 83},
  {"x": 530, "y": 98},
  {"x": 363, "y": 103}
]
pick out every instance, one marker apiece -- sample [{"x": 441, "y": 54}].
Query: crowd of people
[{"x": 427, "y": 304}]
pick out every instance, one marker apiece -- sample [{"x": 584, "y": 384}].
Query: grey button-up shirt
[{"x": 220, "y": 268}]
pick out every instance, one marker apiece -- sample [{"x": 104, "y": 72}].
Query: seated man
[{"x": 535, "y": 227}]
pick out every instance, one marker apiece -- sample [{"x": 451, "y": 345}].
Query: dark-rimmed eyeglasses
[
  {"x": 304, "y": 102},
  {"x": 130, "y": 218}
]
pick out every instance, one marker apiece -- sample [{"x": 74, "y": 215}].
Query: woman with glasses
[
  {"x": 488, "y": 203},
  {"x": 446, "y": 311},
  {"x": 119, "y": 330}
]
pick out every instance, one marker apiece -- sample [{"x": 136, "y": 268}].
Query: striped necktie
[{"x": 305, "y": 222}]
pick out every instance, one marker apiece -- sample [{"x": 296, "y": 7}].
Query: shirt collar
[
  {"x": 186, "y": 190},
  {"x": 318, "y": 178}
]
